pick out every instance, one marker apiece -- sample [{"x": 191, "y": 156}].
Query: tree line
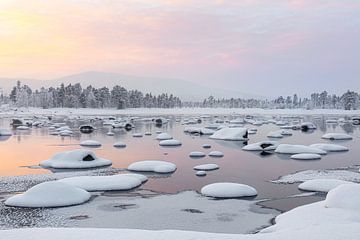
[{"x": 74, "y": 96}]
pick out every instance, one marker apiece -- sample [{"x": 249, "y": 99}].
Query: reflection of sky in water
[{"x": 26, "y": 148}]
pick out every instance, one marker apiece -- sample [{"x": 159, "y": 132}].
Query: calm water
[{"x": 27, "y": 148}]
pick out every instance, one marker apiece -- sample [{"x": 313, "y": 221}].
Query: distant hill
[{"x": 184, "y": 89}]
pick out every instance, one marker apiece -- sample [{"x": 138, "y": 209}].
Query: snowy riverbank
[{"x": 173, "y": 111}]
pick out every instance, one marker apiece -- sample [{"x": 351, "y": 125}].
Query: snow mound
[
  {"x": 49, "y": 194},
  {"x": 228, "y": 190},
  {"x": 170, "y": 142},
  {"x": 119, "y": 145},
  {"x": 330, "y": 147},
  {"x": 337, "y": 136},
  {"x": 200, "y": 173},
  {"x": 345, "y": 196},
  {"x": 163, "y": 136},
  {"x": 152, "y": 166},
  {"x": 302, "y": 176},
  {"x": 296, "y": 149},
  {"x": 231, "y": 134},
  {"x": 216, "y": 154},
  {"x": 306, "y": 156},
  {"x": 321, "y": 185},
  {"x": 261, "y": 146},
  {"x": 5, "y": 132},
  {"x": 75, "y": 159},
  {"x": 197, "y": 154},
  {"x": 90, "y": 143},
  {"x": 206, "y": 167},
  {"x": 119, "y": 182}
]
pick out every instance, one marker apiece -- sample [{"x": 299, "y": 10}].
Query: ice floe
[
  {"x": 163, "y": 136},
  {"x": 119, "y": 144},
  {"x": 330, "y": 147},
  {"x": 216, "y": 154},
  {"x": 197, "y": 154},
  {"x": 90, "y": 143},
  {"x": 306, "y": 156},
  {"x": 336, "y": 136},
  {"x": 170, "y": 142},
  {"x": 296, "y": 149},
  {"x": 206, "y": 167},
  {"x": 261, "y": 146}
]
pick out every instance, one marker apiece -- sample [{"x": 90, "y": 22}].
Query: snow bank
[
  {"x": 152, "y": 166},
  {"x": 90, "y": 143},
  {"x": 337, "y": 136},
  {"x": 296, "y": 149},
  {"x": 306, "y": 156},
  {"x": 228, "y": 190},
  {"x": 261, "y": 146},
  {"x": 118, "y": 182},
  {"x": 49, "y": 194},
  {"x": 302, "y": 176},
  {"x": 321, "y": 185},
  {"x": 330, "y": 147},
  {"x": 170, "y": 142},
  {"x": 231, "y": 134},
  {"x": 206, "y": 167},
  {"x": 75, "y": 159}
]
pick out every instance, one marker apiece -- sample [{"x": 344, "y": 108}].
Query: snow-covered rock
[
  {"x": 206, "y": 167},
  {"x": 231, "y": 134},
  {"x": 345, "y": 196},
  {"x": 163, "y": 136},
  {"x": 321, "y": 185},
  {"x": 22, "y": 128},
  {"x": 5, "y": 132},
  {"x": 261, "y": 146},
  {"x": 152, "y": 166},
  {"x": 119, "y": 144},
  {"x": 306, "y": 156},
  {"x": 49, "y": 194},
  {"x": 228, "y": 190},
  {"x": 75, "y": 159},
  {"x": 216, "y": 154},
  {"x": 330, "y": 147},
  {"x": 170, "y": 142},
  {"x": 90, "y": 143},
  {"x": 200, "y": 173},
  {"x": 197, "y": 154},
  {"x": 275, "y": 134},
  {"x": 199, "y": 130},
  {"x": 305, "y": 126},
  {"x": 206, "y": 146},
  {"x": 137, "y": 135},
  {"x": 337, "y": 136},
  {"x": 297, "y": 149},
  {"x": 119, "y": 182},
  {"x": 110, "y": 133}
]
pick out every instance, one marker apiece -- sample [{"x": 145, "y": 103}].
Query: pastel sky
[{"x": 254, "y": 46}]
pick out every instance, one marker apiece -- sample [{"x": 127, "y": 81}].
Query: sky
[{"x": 265, "y": 47}]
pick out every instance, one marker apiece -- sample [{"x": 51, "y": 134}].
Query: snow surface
[
  {"x": 337, "y": 136},
  {"x": 321, "y": 185},
  {"x": 170, "y": 142},
  {"x": 231, "y": 134},
  {"x": 152, "y": 166},
  {"x": 261, "y": 146},
  {"x": 296, "y": 149},
  {"x": 206, "y": 167},
  {"x": 49, "y": 194},
  {"x": 90, "y": 143},
  {"x": 306, "y": 156},
  {"x": 302, "y": 176},
  {"x": 345, "y": 196},
  {"x": 75, "y": 159},
  {"x": 118, "y": 182},
  {"x": 228, "y": 190},
  {"x": 330, "y": 147}
]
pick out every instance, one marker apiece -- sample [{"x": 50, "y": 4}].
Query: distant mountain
[{"x": 184, "y": 89}]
